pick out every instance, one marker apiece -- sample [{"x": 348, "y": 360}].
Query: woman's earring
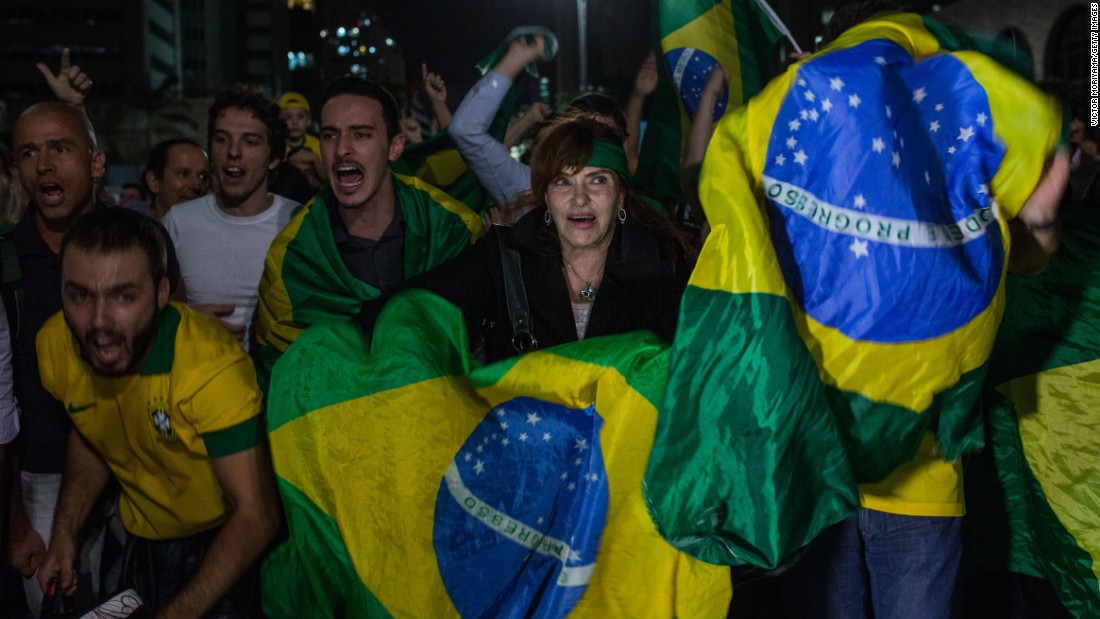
[
  {"x": 546, "y": 217},
  {"x": 622, "y": 215}
]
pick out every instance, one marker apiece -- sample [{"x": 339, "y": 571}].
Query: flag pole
[{"x": 778, "y": 23}]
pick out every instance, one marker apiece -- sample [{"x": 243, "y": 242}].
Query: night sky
[{"x": 453, "y": 36}]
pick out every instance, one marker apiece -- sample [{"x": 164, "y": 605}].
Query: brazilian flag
[
  {"x": 693, "y": 37},
  {"x": 418, "y": 484},
  {"x": 305, "y": 281},
  {"x": 1032, "y": 496},
  {"x": 848, "y": 296}
]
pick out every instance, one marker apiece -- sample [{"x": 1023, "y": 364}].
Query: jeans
[{"x": 900, "y": 567}]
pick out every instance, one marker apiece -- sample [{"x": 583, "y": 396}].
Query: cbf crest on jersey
[
  {"x": 161, "y": 420},
  {"x": 418, "y": 484},
  {"x": 849, "y": 293}
]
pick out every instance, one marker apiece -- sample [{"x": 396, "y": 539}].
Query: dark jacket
[{"x": 644, "y": 278}]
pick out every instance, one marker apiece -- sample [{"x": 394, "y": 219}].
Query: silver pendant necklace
[{"x": 588, "y": 292}]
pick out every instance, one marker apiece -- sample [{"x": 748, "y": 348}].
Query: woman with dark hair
[{"x": 591, "y": 258}]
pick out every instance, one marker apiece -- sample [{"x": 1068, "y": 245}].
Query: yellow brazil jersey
[
  {"x": 194, "y": 399},
  {"x": 927, "y": 485}
]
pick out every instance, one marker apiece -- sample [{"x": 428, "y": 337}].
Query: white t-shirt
[{"x": 222, "y": 256}]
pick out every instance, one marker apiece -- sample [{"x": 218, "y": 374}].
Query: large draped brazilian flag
[
  {"x": 417, "y": 484},
  {"x": 847, "y": 298},
  {"x": 305, "y": 281},
  {"x": 693, "y": 37},
  {"x": 1033, "y": 495}
]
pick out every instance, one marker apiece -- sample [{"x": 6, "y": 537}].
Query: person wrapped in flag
[
  {"x": 592, "y": 258},
  {"x": 366, "y": 231},
  {"x": 865, "y": 208}
]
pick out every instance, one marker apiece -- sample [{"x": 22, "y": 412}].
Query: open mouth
[
  {"x": 105, "y": 351},
  {"x": 51, "y": 194},
  {"x": 348, "y": 177},
  {"x": 582, "y": 221},
  {"x": 233, "y": 173}
]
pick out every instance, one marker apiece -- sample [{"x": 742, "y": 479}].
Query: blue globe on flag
[
  {"x": 520, "y": 511},
  {"x": 690, "y": 69}
]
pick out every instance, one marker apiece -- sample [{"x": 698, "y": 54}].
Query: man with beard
[
  {"x": 367, "y": 231},
  {"x": 177, "y": 171},
  {"x": 167, "y": 402},
  {"x": 222, "y": 238}
]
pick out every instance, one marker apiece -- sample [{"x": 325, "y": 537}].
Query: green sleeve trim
[{"x": 245, "y": 435}]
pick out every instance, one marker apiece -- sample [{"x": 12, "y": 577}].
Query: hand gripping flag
[
  {"x": 1032, "y": 496},
  {"x": 418, "y": 485},
  {"x": 305, "y": 281},
  {"x": 847, "y": 298}
]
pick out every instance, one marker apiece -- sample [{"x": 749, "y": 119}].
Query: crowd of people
[{"x": 140, "y": 338}]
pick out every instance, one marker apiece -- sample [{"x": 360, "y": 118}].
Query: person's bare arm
[
  {"x": 85, "y": 476},
  {"x": 1035, "y": 231},
  {"x": 437, "y": 94},
  {"x": 702, "y": 127},
  {"x": 519, "y": 127},
  {"x": 248, "y": 483},
  {"x": 520, "y": 54},
  {"x": 645, "y": 82},
  {"x": 70, "y": 85}
]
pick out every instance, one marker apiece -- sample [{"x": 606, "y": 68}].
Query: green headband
[{"x": 609, "y": 154}]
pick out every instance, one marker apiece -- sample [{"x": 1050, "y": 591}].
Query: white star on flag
[
  {"x": 901, "y": 143},
  {"x": 982, "y": 118},
  {"x": 546, "y": 436},
  {"x": 572, "y": 486},
  {"x": 523, "y": 436},
  {"x": 826, "y": 105},
  {"x": 927, "y": 177},
  {"x": 574, "y": 556},
  {"x": 814, "y": 115},
  {"x": 950, "y": 150},
  {"x": 966, "y": 133},
  {"x": 578, "y": 461},
  {"x": 860, "y": 201},
  {"x": 836, "y": 83},
  {"x": 791, "y": 142},
  {"x": 533, "y": 419},
  {"x": 504, "y": 425},
  {"x": 800, "y": 157},
  {"x": 889, "y": 112},
  {"x": 934, "y": 127},
  {"x": 854, "y": 100},
  {"x": 801, "y": 82},
  {"x": 809, "y": 96},
  {"x": 803, "y": 114},
  {"x": 794, "y": 125},
  {"x": 939, "y": 107},
  {"x": 479, "y": 468},
  {"x": 581, "y": 444},
  {"x": 540, "y": 520},
  {"x": 504, "y": 441},
  {"x": 467, "y": 457},
  {"x": 897, "y": 159},
  {"x": 878, "y": 145},
  {"x": 564, "y": 476},
  {"x": 859, "y": 248},
  {"x": 780, "y": 159},
  {"x": 500, "y": 413},
  {"x": 880, "y": 60},
  {"x": 919, "y": 94},
  {"x": 480, "y": 448}
]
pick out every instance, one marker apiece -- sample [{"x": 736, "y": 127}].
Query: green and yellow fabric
[
  {"x": 1032, "y": 495},
  {"x": 418, "y": 484},
  {"x": 305, "y": 282},
  {"x": 847, "y": 298},
  {"x": 693, "y": 36}
]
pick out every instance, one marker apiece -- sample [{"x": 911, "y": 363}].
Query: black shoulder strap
[{"x": 516, "y": 296}]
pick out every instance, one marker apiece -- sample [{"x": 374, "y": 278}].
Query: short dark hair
[
  {"x": 112, "y": 230},
  {"x": 351, "y": 85},
  {"x": 595, "y": 104},
  {"x": 158, "y": 158},
  {"x": 263, "y": 107}
]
